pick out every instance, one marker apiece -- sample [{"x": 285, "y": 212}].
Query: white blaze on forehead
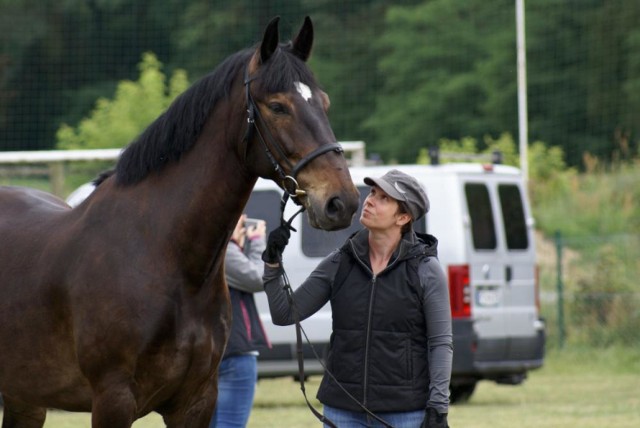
[{"x": 303, "y": 90}]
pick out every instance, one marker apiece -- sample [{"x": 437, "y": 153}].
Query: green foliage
[
  {"x": 443, "y": 64},
  {"x": 348, "y": 71},
  {"x": 116, "y": 122},
  {"x": 604, "y": 308},
  {"x": 465, "y": 145},
  {"x": 591, "y": 203},
  {"x": 598, "y": 214},
  {"x": 505, "y": 145},
  {"x": 545, "y": 163},
  {"x": 401, "y": 74},
  {"x": 448, "y": 70},
  {"x": 576, "y": 101}
]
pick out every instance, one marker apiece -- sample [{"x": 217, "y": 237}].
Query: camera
[{"x": 250, "y": 222}]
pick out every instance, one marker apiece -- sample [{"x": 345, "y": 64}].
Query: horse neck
[{"x": 200, "y": 198}]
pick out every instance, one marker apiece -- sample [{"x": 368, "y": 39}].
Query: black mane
[
  {"x": 176, "y": 130},
  {"x": 103, "y": 176}
]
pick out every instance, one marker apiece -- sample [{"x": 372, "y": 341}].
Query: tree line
[{"x": 402, "y": 75}]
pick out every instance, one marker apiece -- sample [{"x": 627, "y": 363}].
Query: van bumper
[{"x": 504, "y": 360}]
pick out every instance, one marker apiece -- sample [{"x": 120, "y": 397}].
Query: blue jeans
[
  {"x": 237, "y": 377},
  {"x": 348, "y": 419}
]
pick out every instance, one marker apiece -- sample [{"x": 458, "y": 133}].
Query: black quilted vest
[{"x": 378, "y": 348}]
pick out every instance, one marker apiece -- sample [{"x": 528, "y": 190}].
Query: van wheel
[{"x": 461, "y": 393}]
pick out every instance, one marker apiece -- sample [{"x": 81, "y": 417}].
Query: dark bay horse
[{"x": 119, "y": 306}]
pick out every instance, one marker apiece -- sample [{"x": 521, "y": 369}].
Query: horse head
[{"x": 289, "y": 138}]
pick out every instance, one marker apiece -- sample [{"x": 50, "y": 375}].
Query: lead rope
[
  {"x": 300, "y": 331},
  {"x": 296, "y": 316}
]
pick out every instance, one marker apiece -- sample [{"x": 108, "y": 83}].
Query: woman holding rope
[{"x": 389, "y": 359}]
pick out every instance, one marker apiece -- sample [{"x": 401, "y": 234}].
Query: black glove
[
  {"x": 433, "y": 419},
  {"x": 277, "y": 241}
]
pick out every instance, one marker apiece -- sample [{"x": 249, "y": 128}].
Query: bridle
[{"x": 287, "y": 180}]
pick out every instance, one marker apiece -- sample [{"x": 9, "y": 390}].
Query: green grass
[{"x": 576, "y": 388}]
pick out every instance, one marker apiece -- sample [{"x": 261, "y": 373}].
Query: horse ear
[
  {"x": 270, "y": 40},
  {"x": 304, "y": 40}
]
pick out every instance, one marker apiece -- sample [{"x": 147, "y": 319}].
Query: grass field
[{"x": 575, "y": 388}]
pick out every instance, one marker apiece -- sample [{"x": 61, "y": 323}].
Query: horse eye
[{"x": 277, "y": 108}]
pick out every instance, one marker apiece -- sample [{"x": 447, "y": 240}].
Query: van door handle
[{"x": 508, "y": 274}]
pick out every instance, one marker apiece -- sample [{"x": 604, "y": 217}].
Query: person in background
[
  {"x": 238, "y": 372},
  {"x": 391, "y": 347}
]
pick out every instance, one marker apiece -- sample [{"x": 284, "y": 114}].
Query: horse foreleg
[
  {"x": 114, "y": 405},
  {"x": 199, "y": 410},
  {"x": 21, "y": 415},
  {"x": 198, "y": 416}
]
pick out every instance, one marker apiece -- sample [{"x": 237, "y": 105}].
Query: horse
[{"x": 119, "y": 306}]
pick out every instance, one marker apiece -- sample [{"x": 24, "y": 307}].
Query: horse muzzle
[{"x": 334, "y": 212}]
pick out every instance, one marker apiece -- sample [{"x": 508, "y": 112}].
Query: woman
[
  {"x": 391, "y": 345},
  {"x": 238, "y": 371}
]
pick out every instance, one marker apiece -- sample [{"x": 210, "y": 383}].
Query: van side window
[
  {"x": 513, "y": 217},
  {"x": 319, "y": 243},
  {"x": 482, "y": 224},
  {"x": 265, "y": 205}
]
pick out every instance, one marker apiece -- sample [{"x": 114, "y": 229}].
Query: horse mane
[
  {"x": 176, "y": 130},
  {"x": 103, "y": 176}
]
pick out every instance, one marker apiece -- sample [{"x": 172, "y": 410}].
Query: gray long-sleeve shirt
[
  {"x": 315, "y": 292},
  {"x": 243, "y": 270}
]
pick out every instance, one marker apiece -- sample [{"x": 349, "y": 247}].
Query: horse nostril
[{"x": 335, "y": 207}]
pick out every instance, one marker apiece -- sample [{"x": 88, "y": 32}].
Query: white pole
[{"x": 522, "y": 90}]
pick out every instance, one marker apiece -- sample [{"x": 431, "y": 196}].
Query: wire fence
[{"x": 589, "y": 290}]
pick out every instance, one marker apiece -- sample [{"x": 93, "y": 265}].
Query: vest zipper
[{"x": 365, "y": 382}]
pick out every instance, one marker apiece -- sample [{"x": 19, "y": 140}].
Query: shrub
[
  {"x": 116, "y": 122},
  {"x": 605, "y": 307}
]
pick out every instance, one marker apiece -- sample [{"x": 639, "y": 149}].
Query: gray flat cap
[{"x": 404, "y": 188}]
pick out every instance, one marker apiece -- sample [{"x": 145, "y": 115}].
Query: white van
[{"x": 482, "y": 219}]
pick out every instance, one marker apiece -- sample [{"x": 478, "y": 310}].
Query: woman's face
[{"x": 380, "y": 211}]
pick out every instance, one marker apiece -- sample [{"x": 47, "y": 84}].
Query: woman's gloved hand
[
  {"x": 433, "y": 419},
  {"x": 276, "y": 243}
]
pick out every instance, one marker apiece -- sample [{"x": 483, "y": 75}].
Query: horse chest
[{"x": 182, "y": 359}]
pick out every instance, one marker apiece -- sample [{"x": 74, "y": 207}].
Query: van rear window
[
  {"x": 319, "y": 243},
  {"x": 482, "y": 223},
  {"x": 513, "y": 217}
]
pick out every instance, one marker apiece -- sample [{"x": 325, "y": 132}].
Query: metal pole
[
  {"x": 560, "y": 290},
  {"x": 522, "y": 91}
]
